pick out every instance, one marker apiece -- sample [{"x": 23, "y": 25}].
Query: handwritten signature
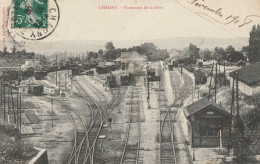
[{"x": 217, "y": 15}]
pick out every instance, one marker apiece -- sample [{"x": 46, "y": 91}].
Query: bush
[{"x": 15, "y": 151}]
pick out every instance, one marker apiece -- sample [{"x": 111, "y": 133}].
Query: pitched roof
[
  {"x": 249, "y": 74},
  {"x": 130, "y": 56},
  {"x": 200, "y": 105}
]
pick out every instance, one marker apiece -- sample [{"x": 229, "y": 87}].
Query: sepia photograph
[{"x": 129, "y": 82}]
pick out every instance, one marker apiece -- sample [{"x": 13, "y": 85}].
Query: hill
[{"x": 77, "y": 46}]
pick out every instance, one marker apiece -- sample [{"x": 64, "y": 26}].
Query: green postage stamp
[{"x": 30, "y": 14}]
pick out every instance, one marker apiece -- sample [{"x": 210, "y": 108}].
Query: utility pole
[
  {"x": 231, "y": 113},
  {"x": 56, "y": 70},
  {"x": 225, "y": 74},
  {"x": 8, "y": 100},
  {"x": 1, "y": 95},
  {"x": 4, "y": 94},
  {"x": 13, "y": 104},
  {"x": 148, "y": 97},
  {"x": 17, "y": 108},
  {"x": 237, "y": 96},
  {"x": 211, "y": 74},
  {"x": 216, "y": 81},
  {"x": 219, "y": 74},
  {"x": 65, "y": 82},
  {"x": 52, "y": 112},
  {"x": 71, "y": 85},
  {"x": 59, "y": 83},
  {"x": 198, "y": 91},
  {"x": 20, "y": 112},
  {"x": 181, "y": 71}
]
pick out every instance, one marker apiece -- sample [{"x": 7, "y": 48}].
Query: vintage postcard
[{"x": 129, "y": 81}]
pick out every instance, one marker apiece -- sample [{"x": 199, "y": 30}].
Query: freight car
[
  {"x": 90, "y": 73},
  {"x": 175, "y": 64},
  {"x": 75, "y": 71},
  {"x": 29, "y": 72},
  {"x": 200, "y": 77},
  {"x": 36, "y": 90},
  {"x": 127, "y": 79},
  {"x": 11, "y": 75},
  {"x": 40, "y": 75},
  {"x": 102, "y": 69},
  {"x": 170, "y": 67},
  {"x": 51, "y": 69},
  {"x": 151, "y": 72}
]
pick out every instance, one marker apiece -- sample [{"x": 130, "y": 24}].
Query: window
[
  {"x": 209, "y": 132},
  {"x": 23, "y": 90}
]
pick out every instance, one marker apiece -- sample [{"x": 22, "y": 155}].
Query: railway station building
[
  {"x": 130, "y": 57},
  {"x": 208, "y": 124}
]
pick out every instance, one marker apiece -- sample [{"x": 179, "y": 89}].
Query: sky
[{"x": 83, "y": 20}]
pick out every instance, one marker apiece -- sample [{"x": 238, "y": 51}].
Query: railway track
[
  {"x": 99, "y": 117},
  {"x": 131, "y": 148},
  {"x": 166, "y": 139},
  {"x": 85, "y": 141},
  {"x": 78, "y": 131},
  {"x": 169, "y": 146}
]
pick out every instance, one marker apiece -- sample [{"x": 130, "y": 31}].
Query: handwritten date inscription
[{"x": 216, "y": 14}]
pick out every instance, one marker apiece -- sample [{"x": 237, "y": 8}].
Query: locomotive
[{"x": 111, "y": 81}]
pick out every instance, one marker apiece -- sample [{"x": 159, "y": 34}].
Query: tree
[
  {"x": 110, "y": 46},
  {"x": 206, "y": 54},
  {"x": 235, "y": 56},
  {"x": 159, "y": 55},
  {"x": 193, "y": 52},
  {"x": 100, "y": 52},
  {"x": 254, "y": 45},
  {"x": 92, "y": 55},
  {"x": 230, "y": 50},
  {"x": 220, "y": 53},
  {"x": 239, "y": 140}
]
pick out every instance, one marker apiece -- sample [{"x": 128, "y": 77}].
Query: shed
[
  {"x": 241, "y": 63},
  {"x": 206, "y": 121},
  {"x": 23, "y": 89},
  {"x": 248, "y": 79}
]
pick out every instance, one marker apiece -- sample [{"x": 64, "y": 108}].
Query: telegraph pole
[
  {"x": 52, "y": 112},
  {"x": 231, "y": 113},
  {"x": 56, "y": 70},
  {"x": 211, "y": 74},
  {"x": 17, "y": 108},
  {"x": 219, "y": 74},
  {"x": 216, "y": 81},
  {"x": 1, "y": 95},
  {"x": 4, "y": 94},
  {"x": 237, "y": 97},
  {"x": 65, "y": 82},
  {"x": 8, "y": 100},
  {"x": 59, "y": 83},
  {"x": 13, "y": 104},
  {"x": 225, "y": 74},
  {"x": 21, "y": 112},
  {"x": 148, "y": 97}
]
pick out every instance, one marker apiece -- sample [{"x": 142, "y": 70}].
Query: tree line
[{"x": 149, "y": 50}]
